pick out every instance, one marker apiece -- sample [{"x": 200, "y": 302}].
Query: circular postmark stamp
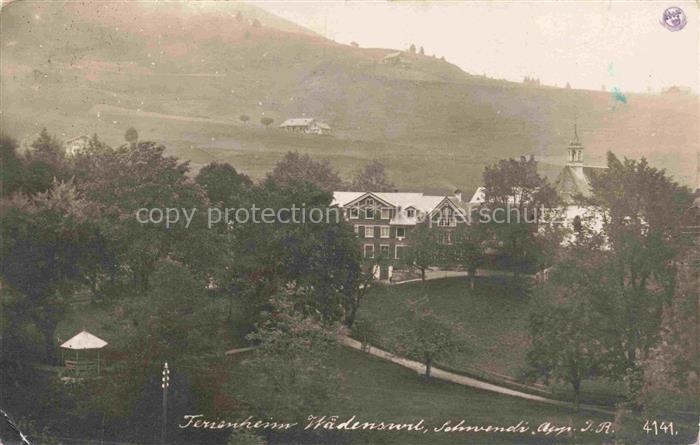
[{"x": 674, "y": 19}]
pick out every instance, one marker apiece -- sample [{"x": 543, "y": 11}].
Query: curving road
[{"x": 460, "y": 379}]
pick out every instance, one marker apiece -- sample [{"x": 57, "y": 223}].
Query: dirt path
[
  {"x": 103, "y": 109},
  {"x": 462, "y": 380}
]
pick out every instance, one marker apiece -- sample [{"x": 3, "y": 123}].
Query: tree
[
  {"x": 124, "y": 180},
  {"x": 412, "y": 48},
  {"x": 131, "y": 136},
  {"x": 266, "y": 121},
  {"x": 295, "y": 167},
  {"x": 516, "y": 201},
  {"x": 173, "y": 318},
  {"x": 428, "y": 338},
  {"x": 321, "y": 259},
  {"x": 372, "y": 178},
  {"x": 421, "y": 51},
  {"x": 425, "y": 249},
  {"x": 256, "y": 23},
  {"x": 567, "y": 331},
  {"x": 288, "y": 375},
  {"x": 468, "y": 248},
  {"x": 642, "y": 210},
  {"x": 48, "y": 149},
  {"x": 174, "y": 321},
  {"x": 568, "y": 86},
  {"x": 670, "y": 381},
  {"x": 361, "y": 284},
  {"x": 49, "y": 241},
  {"x": 244, "y": 118},
  {"x": 11, "y": 168},
  {"x": 239, "y": 16},
  {"x": 45, "y": 162},
  {"x": 223, "y": 184},
  {"x": 365, "y": 332},
  {"x": 618, "y": 284}
]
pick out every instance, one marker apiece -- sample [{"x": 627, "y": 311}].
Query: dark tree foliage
[
  {"x": 11, "y": 168},
  {"x": 223, "y": 184},
  {"x": 45, "y": 162},
  {"x": 515, "y": 199},
  {"x": 643, "y": 210},
  {"x": 50, "y": 245},
  {"x": 429, "y": 338},
  {"x": 131, "y": 135},
  {"x": 124, "y": 180},
  {"x": 295, "y": 167},
  {"x": 424, "y": 250},
  {"x": 372, "y": 178}
]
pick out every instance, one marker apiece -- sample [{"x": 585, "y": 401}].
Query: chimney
[{"x": 458, "y": 195}]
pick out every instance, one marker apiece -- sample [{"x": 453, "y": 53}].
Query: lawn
[
  {"x": 493, "y": 322},
  {"x": 374, "y": 390},
  {"x": 492, "y": 318}
]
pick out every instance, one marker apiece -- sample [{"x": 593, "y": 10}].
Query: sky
[{"x": 587, "y": 44}]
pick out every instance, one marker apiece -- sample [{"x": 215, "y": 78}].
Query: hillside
[{"x": 183, "y": 72}]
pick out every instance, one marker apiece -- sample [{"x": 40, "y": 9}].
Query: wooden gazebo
[{"x": 87, "y": 362}]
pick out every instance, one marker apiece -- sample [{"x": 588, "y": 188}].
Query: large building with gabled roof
[{"x": 384, "y": 221}]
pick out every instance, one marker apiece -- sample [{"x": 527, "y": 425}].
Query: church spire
[{"x": 575, "y": 149}]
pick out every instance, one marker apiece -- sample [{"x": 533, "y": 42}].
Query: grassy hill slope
[{"x": 183, "y": 73}]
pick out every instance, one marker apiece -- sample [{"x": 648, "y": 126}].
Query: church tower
[{"x": 575, "y": 151}]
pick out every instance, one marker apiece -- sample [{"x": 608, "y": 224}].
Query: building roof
[
  {"x": 297, "y": 122},
  {"x": 575, "y": 181},
  {"x": 419, "y": 201},
  {"x": 81, "y": 138},
  {"x": 479, "y": 196},
  {"x": 84, "y": 340},
  {"x": 392, "y": 55}
]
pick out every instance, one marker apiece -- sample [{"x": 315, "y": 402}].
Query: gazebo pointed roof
[{"x": 84, "y": 340}]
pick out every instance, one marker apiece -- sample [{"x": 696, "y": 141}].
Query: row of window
[
  {"x": 369, "y": 213},
  {"x": 384, "y": 231},
  {"x": 384, "y": 251}
]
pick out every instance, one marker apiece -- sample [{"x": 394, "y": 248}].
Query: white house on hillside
[
  {"x": 306, "y": 125},
  {"x": 76, "y": 145}
]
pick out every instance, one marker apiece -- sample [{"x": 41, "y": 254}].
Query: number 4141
[{"x": 656, "y": 428}]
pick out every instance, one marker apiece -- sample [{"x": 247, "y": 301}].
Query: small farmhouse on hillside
[
  {"x": 76, "y": 145},
  {"x": 307, "y": 125},
  {"x": 396, "y": 59}
]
